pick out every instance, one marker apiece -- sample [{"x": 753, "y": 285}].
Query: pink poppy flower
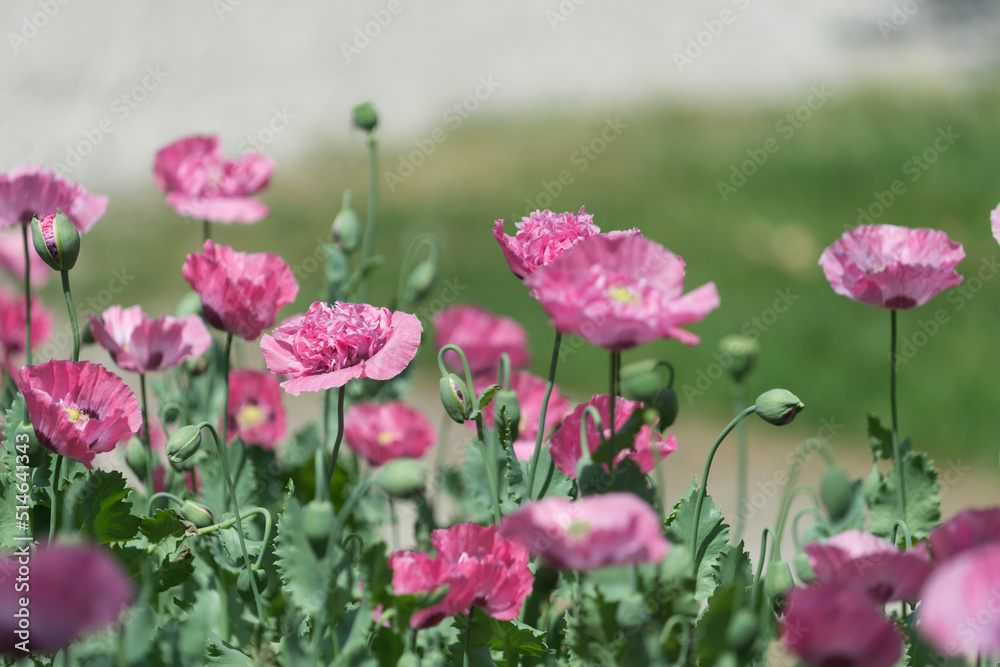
[
  {"x": 241, "y": 293},
  {"x": 959, "y": 612},
  {"x": 530, "y": 390},
  {"x": 832, "y": 626},
  {"x": 76, "y": 590},
  {"x": 875, "y": 566},
  {"x": 32, "y": 191},
  {"x": 256, "y": 414},
  {"x": 968, "y": 529},
  {"x": 565, "y": 446},
  {"x": 12, "y": 324},
  {"x": 586, "y": 534},
  {"x": 621, "y": 291},
  {"x": 78, "y": 408},
  {"x": 483, "y": 337},
  {"x": 330, "y": 345},
  {"x": 12, "y": 259},
  {"x": 480, "y": 567},
  {"x": 542, "y": 237},
  {"x": 892, "y": 267},
  {"x": 200, "y": 183},
  {"x": 139, "y": 344},
  {"x": 381, "y": 432}
]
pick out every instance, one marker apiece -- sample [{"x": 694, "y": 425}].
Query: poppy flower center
[
  {"x": 250, "y": 416},
  {"x": 578, "y": 529},
  {"x": 385, "y": 437},
  {"x": 624, "y": 294},
  {"x": 79, "y": 417}
]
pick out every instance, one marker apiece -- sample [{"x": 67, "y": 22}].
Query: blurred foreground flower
[
  {"x": 139, "y": 344},
  {"x": 483, "y": 337},
  {"x": 12, "y": 259},
  {"x": 255, "y": 412},
  {"x": 12, "y": 312},
  {"x": 967, "y": 530},
  {"x": 381, "y": 432},
  {"x": 32, "y": 191}
]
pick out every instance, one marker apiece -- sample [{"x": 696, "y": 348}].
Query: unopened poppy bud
[
  {"x": 243, "y": 582},
  {"x": 778, "y": 406},
  {"x": 420, "y": 281},
  {"x": 319, "y": 518},
  {"x": 641, "y": 381},
  {"x": 506, "y": 399},
  {"x": 666, "y": 407},
  {"x": 346, "y": 228},
  {"x": 87, "y": 334},
  {"x": 742, "y": 630},
  {"x": 778, "y": 581},
  {"x": 197, "y": 514},
  {"x": 56, "y": 240},
  {"x": 365, "y": 117},
  {"x": 135, "y": 456},
  {"x": 455, "y": 398},
  {"x": 835, "y": 492},
  {"x": 738, "y": 355},
  {"x": 184, "y": 443},
  {"x": 401, "y": 477},
  {"x": 803, "y": 568}
]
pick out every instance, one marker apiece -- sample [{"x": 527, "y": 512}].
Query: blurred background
[{"x": 745, "y": 136}]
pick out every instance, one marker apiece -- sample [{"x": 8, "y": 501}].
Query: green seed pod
[
  {"x": 455, "y": 398},
  {"x": 641, "y": 381},
  {"x": 742, "y": 630},
  {"x": 56, "y": 240},
  {"x": 401, "y": 477},
  {"x": 365, "y": 117},
  {"x": 666, "y": 407},
  {"x": 346, "y": 228},
  {"x": 778, "y": 581},
  {"x": 319, "y": 518},
  {"x": 835, "y": 492},
  {"x": 184, "y": 443},
  {"x": 197, "y": 514},
  {"x": 738, "y": 355},
  {"x": 135, "y": 456},
  {"x": 507, "y": 399},
  {"x": 778, "y": 406},
  {"x": 420, "y": 281},
  {"x": 803, "y": 568},
  {"x": 243, "y": 583}
]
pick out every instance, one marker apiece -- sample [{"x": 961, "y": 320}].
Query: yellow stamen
[
  {"x": 250, "y": 416},
  {"x": 385, "y": 437},
  {"x": 624, "y": 294}
]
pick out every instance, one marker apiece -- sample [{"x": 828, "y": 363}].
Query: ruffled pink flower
[
  {"x": 892, "y": 267},
  {"x": 619, "y": 292},
  {"x": 381, "y": 432},
  {"x": 32, "y": 191},
  {"x": 483, "y": 337},
  {"x": 139, "y": 344},
  {"x": 874, "y": 566},
  {"x": 79, "y": 409},
  {"x": 12, "y": 325},
  {"x": 480, "y": 567},
  {"x": 200, "y": 183},
  {"x": 968, "y": 529},
  {"x": 959, "y": 612},
  {"x": 530, "y": 390},
  {"x": 646, "y": 451},
  {"x": 542, "y": 237},
  {"x": 241, "y": 293},
  {"x": 256, "y": 414},
  {"x": 330, "y": 345},
  {"x": 12, "y": 259},
  {"x": 832, "y": 626},
  {"x": 586, "y": 534},
  {"x": 76, "y": 590}
]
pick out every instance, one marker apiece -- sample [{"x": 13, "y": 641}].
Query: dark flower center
[{"x": 901, "y": 302}]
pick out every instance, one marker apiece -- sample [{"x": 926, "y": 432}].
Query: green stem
[
  {"x": 162, "y": 494},
  {"x": 907, "y": 539},
  {"x": 72, "y": 315},
  {"x": 468, "y": 637},
  {"x": 150, "y": 460},
  {"x": 739, "y": 400},
  {"x": 615, "y": 362},
  {"x": 490, "y": 469},
  {"x": 205, "y": 230},
  {"x": 394, "y": 522},
  {"x": 319, "y": 469},
  {"x": 434, "y": 250},
  {"x": 775, "y": 550},
  {"x": 369, "y": 243},
  {"x": 685, "y": 642},
  {"x": 897, "y": 452},
  {"x": 541, "y": 418},
  {"x": 793, "y": 475},
  {"x": 56, "y": 474},
  {"x": 223, "y": 604},
  {"x": 340, "y": 435},
  {"x": 27, "y": 297}
]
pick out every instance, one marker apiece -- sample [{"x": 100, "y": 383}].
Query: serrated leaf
[
  {"x": 487, "y": 395},
  {"x": 175, "y": 571},
  {"x": 218, "y": 652},
  {"x": 735, "y": 568},
  {"x": 879, "y": 439},
  {"x": 505, "y": 636},
  {"x": 100, "y": 508},
  {"x": 162, "y": 525},
  {"x": 306, "y": 578},
  {"x": 923, "y": 500},
  {"x": 713, "y": 535}
]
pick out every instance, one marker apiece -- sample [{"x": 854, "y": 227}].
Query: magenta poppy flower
[
  {"x": 480, "y": 567},
  {"x": 833, "y": 626},
  {"x": 330, "y": 345},
  {"x": 256, "y": 414},
  {"x": 959, "y": 612},
  {"x": 241, "y": 293},
  {"x": 76, "y": 590},
  {"x": 530, "y": 390},
  {"x": 483, "y": 337},
  {"x": 892, "y": 267},
  {"x": 646, "y": 451},
  {"x": 200, "y": 183},
  {"x": 79, "y": 409},
  {"x": 968, "y": 529},
  {"x": 139, "y": 344},
  {"x": 12, "y": 324},
  {"x": 381, "y": 432},
  {"x": 12, "y": 259},
  {"x": 874, "y": 566},
  {"x": 32, "y": 191},
  {"x": 593, "y": 532},
  {"x": 621, "y": 291},
  {"x": 541, "y": 237}
]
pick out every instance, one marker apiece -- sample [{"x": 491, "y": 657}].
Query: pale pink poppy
[
  {"x": 621, "y": 291},
  {"x": 892, "y": 267},
  {"x": 12, "y": 325},
  {"x": 200, "y": 183},
  {"x": 530, "y": 390},
  {"x": 32, "y": 191},
  {"x": 12, "y": 259},
  {"x": 256, "y": 414},
  {"x": 541, "y": 237},
  {"x": 381, "y": 432},
  {"x": 589, "y": 533},
  {"x": 483, "y": 337},
  {"x": 968, "y": 529},
  {"x": 137, "y": 343}
]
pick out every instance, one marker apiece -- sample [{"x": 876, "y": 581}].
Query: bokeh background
[{"x": 743, "y": 135}]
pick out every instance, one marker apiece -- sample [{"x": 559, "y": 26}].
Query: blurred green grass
[{"x": 661, "y": 175}]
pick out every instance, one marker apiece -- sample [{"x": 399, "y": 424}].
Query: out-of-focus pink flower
[
  {"x": 833, "y": 625},
  {"x": 381, "y": 432},
  {"x": 32, "y": 191},
  {"x": 76, "y": 590},
  {"x": 12, "y": 259},
  {"x": 79, "y": 409},
  {"x": 480, "y": 567},
  {"x": 619, "y": 292},
  {"x": 586, "y": 534},
  {"x": 565, "y": 446},
  {"x": 968, "y": 529},
  {"x": 330, "y": 345},
  {"x": 542, "y": 237},
  {"x": 241, "y": 293},
  {"x": 256, "y": 414},
  {"x": 483, "y": 337},
  {"x": 892, "y": 267},
  {"x": 139, "y": 344},
  {"x": 959, "y": 612},
  {"x": 200, "y": 183},
  {"x": 12, "y": 324},
  {"x": 874, "y": 566},
  {"x": 530, "y": 390}
]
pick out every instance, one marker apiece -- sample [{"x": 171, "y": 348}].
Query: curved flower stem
[
  {"x": 340, "y": 435},
  {"x": 775, "y": 551},
  {"x": 72, "y": 315},
  {"x": 162, "y": 494},
  {"x": 908, "y": 540},
  {"x": 541, "y": 418},
  {"x": 465, "y": 367},
  {"x": 897, "y": 452},
  {"x": 795, "y": 523},
  {"x": 150, "y": 460},
  {"x": 56, "y": 474},
  {"x": 685, "y": 625},
  {"x": 793, "y": 475},
  {"x": 369, "y": 243},
  {"x": 27, "y": 297},
  {"x": 739, "y": 400},
  {"x": 490, "y": 469},
  {"x": 704, "y": 481}
]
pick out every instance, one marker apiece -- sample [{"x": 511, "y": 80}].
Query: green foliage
[
  {"x": 713, "y": 536},
  {"x": 100, "y": 506},
  {"x": 923, "y": 499}
]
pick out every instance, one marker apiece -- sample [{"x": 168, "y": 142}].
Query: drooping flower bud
[
  {"x": 184, "y": 443},
  {"x": 197, "y": 514},
  {"x": 365, "y": 117},
  {"x": 455, "y": 398},
  {"x": 739, "y": 355},
  {"x": 666, "y": 407},
  {"x": 778, "y": 406},
  {"x": 135, "y": 456},
  {"x": 803, "y": 568},
  {"x": 401, "y": 477},
  {"x": 742, "y": 630},
  {"x": 346, "y": 228},
  {"x": 420, "y": 281},
  {"x": 835, "y": 492},
  {"x": 243, "y": 582},
  {"x": 56, "y": 240},
  {"x": 319, "y": 518},
  {"x": 778, "y": 581},
  {"x": 641, "y": 381}
]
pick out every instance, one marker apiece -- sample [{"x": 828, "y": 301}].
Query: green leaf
[
  {"x": 218, "y": 652},
  {"x": 506, "y": 636},
  {"x": 305, "y": 577},
  {"x": 879, "y": 439},
  {"x": 923, "y": 500},
  {"x": 713, "y": 535},
  {"x": 175, "y": 571},
  {"x": 141, "y": 628},
  {"x": 100, "y": 508},
  {"x": 487, "y": 395},
  {"x": 302, "y": 447},
  {"x": 162, "y": 525},
  {"x": 626, "y": 477},
  {"x": 735, "y": 568}
]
